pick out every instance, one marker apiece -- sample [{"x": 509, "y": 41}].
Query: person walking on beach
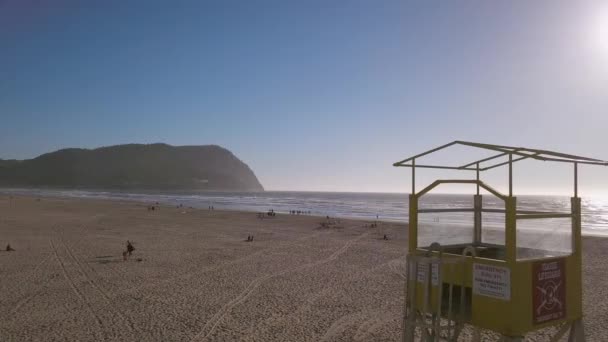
[{"x": 130, "y": 247}]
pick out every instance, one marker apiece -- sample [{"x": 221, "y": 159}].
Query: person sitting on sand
[
  {"x": 130, "y": 247},
  {"x": 9, "y": 248}
]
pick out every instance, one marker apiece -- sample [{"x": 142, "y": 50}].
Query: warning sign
[
  {"x": 549, "y": 288},
  {"x": 492, "y": 281}
]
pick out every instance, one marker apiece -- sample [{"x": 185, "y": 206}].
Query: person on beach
[
  {"x": 9, "y": 248},
  {"x": 130, "y": 247}
]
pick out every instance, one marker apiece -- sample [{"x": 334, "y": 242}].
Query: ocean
[{"x": 387, "y": 206}]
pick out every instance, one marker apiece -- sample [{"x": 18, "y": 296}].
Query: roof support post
[
  {"x": 511, "y": 229},
  {"x": 510, "y": 174},
  {"x": 414, "y": 176},
  {"x": 413, "y": 224},
  {"x": 477, "y": 178},
  {"x": 478, "y": 207},
  {"x": 575, "y": 180}
]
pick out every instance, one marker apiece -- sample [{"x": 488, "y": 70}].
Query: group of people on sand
[
  {"x": 270, "y": 213},
  {"x": 331, "y": 222},
  {"x": 249, "y": 238},
  {"x": 154, "y": 207},
  {"x": 300, "y": 212}
]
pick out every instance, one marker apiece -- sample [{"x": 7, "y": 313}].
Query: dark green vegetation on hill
[{"x": 133, "y": 166}]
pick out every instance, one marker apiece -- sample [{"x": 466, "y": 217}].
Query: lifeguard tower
[{"x": 493, "y": 277}]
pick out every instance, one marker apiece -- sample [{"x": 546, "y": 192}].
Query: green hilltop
[{"x": 133, "y": 166}]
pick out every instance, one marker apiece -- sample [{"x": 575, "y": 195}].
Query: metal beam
[
  {"x": 437, "y": 167},
  {"x": 485, "y": 159},
  {"x": 477, "y": 172},
  {"x": 497, "y": 148},
  {"x": 461, "y": 181},
  {"x": 414, "y": 176},
  {"x": 502, "y": 211},
  {"x": 425, "y": 153},
  {"x": 541, "y": 216},
  {"x": 575, "y": 180},
  {"x": 504, "y": 163},
  {"x": 510, "y": 175},
  {"x": 538, "y": 151},
  {"x": 601, "y": 163},
  {"x": 563, "y": 155},
  {"x": 520, "y": 153},
  {"x": 451, "y": 210}
]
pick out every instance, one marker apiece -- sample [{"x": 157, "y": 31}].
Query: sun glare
[{"x": 599, "y": 32}]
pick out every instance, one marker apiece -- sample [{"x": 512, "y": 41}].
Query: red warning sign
[{"x": 549, "y": 288}]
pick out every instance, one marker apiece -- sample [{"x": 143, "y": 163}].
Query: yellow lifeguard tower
[{"x": 487, "y": 279}]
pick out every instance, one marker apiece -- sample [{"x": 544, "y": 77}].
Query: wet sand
[{"x": 199, "y": 280}]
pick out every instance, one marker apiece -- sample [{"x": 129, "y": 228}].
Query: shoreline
[{"x": 585, "y": 233}]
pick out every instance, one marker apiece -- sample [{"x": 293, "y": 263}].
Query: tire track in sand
[
  {"x": 28, "y": 279},
  {"x": 391, "y": 265},
  {"x": 78, "y": 294},
  {"x": 221, "y": 266},
  {"x": 130, "y": 325},
  {"x": 216, "y": 319}
]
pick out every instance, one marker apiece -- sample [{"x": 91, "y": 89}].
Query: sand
[{"x": 193, "y": 276}]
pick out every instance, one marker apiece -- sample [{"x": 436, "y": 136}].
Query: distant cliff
[{"x": 133, "y": 166}]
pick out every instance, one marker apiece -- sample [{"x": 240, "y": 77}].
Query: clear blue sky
[{"x": 313, "y": 95}]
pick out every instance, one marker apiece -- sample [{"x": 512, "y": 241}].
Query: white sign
[
  {"x": 492, "y": 281},
  {"x": 423, "y": 269}
]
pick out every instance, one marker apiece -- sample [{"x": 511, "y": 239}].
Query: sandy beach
[{"x": 194, "y": 277}]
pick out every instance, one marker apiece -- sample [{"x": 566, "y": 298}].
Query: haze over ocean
[{"x": 388, "y": 206}]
